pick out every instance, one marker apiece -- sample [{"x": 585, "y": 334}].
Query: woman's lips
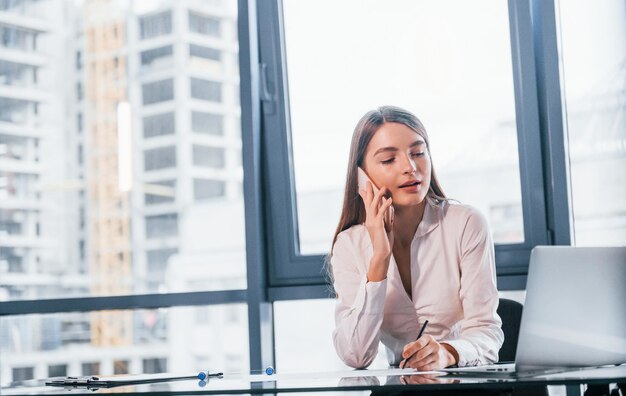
[{"x": 411, "y": 187}]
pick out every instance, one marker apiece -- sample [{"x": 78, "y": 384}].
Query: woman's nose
[{"x": 410, "y": 166}]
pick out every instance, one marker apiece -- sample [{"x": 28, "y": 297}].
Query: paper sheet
[{"x": 330, "y": 374}]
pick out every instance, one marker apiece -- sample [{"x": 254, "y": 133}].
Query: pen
[
  {"x": 205, "y": 375},
  {"x": 418, "y": 337}
]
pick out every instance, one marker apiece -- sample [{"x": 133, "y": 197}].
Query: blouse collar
[{"x": 433, "y": 214}]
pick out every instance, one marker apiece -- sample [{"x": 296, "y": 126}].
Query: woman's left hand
[{"x": 426, "y": 354}]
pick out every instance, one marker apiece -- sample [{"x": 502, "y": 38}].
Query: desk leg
[{"x": 572, "y": 390}]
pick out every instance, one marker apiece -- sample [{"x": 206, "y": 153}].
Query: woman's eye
[
  {"x": 418, "y": 154},
  {"x": 387, "y": 161}
]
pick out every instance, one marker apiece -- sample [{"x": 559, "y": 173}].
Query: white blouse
[{"x": 454, "y": 287}]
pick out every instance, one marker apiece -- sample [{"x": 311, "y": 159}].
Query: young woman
[{"x": 405, "y": 254}]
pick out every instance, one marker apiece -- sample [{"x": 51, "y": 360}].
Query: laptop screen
[{"x": 575, "y": 309}]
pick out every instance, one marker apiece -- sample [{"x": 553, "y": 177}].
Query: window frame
[
  {"x": 289, "y": 270},
  {"x": 543, "y": 172},
  {"x": 259, "y": 310}
]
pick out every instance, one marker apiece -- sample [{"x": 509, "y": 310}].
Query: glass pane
[
  {"x": 430, "y": 57},
  {"x": 155, "y": 25},
  {"x": 181, "y": 340},
  {"x": 159, "y": 124},
  {"x": 106, "y": 184},
  {"x": 594, "y": 76},
  {"x": 307, "y": 326}
]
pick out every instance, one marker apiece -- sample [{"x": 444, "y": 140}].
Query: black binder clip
[{"x": 90, "y": 383}]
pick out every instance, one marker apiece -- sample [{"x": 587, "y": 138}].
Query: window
[
  {"x": 23, "y": 373},
  {"x": 307, "y": 325},
  {"x": 481, "y": 96},
  {"x": 206, "y": 60},
  {"x": 155, "y": 25},
  {"x": 477, "y": 154},
  {"x": 17, "y": 38},
  {"x": 161, "y": 226},
  {"x": 207, "y": 240},
  {"x": 160, "y": 158},
  {"x": 594, "y": 78},
  {"x": 206, "y": 90},
  {"x": 12, "y": 258},
  {"x": 81, "y": 247},
  {"x": 159, "y": 125},
  {"x": 160, "y": 192},
  {"x": 21, "y": 7},
  {"x": 11, "y": 222},
  {"x": 207, "y": 123},
  {"x": 508, "y": 217},
  {"x": 158, "y": 91},
  {"x": 157, "y": 261},
  {"x": 204, "y": 189},
  {"x": 203, "y": 24},
  {"x": 83, "y": 210},
  {"x": 157, "y": 57},
  {"x": 212, "y": 157},
  {"x": 79, "y": 91},
  {"x": 173, "y": 332},
  {"x": 16, "y": 74},
  {"x": 154, "y": 365},
  {"x": 204, "y": 52},
  {"x": 120, "y": 367},
  {"x": 107, "y": 245},
  {"x": 50, "y": 340},
  {"x": 90, "y": 368},
  {"x": 79, "y": 122},
  {"x": 15, "y": 111},
  {"x": 57, "y": 370}
]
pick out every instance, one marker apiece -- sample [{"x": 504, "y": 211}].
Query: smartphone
[{"x": 363, "y": 179}]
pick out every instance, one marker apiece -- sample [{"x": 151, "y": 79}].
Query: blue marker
[{"x": 269, "y": 370}]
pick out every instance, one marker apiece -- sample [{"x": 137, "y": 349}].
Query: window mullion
[
  {"x": 556, "y": 172},
  {"x": 260, "y": 320},
  {"x": 528, "y": 127}
]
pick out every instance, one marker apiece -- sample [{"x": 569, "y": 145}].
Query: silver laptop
[{"x": 575, "y": 311}]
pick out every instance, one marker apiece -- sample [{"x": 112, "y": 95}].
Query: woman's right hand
[{"x": 379, "y": 224}]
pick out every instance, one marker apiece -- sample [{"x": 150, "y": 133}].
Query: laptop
[{"x": 574, "y": 316}]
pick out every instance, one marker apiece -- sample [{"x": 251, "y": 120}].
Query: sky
[
  {"x": 448, "y": 68},
  {"x": 446, "y": 61}
]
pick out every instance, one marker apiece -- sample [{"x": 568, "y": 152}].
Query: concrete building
[
  {"x": 186, "y": 123},
  {"x": 176, "y": 65}
]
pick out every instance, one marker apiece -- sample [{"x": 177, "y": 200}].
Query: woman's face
[{"x": 397, "y": 158}]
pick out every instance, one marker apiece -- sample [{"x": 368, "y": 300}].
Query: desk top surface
[{"x": 390, "y": 380}]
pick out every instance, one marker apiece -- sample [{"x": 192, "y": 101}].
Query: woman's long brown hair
[{"x": 353, "y": 211}]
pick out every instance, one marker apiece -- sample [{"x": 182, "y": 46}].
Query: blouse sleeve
[
  {"x": 360, "y": 306},
  {"x": 481, "y": 335}
]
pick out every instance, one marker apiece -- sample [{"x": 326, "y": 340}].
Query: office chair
[{"x": 511, "y": 314}]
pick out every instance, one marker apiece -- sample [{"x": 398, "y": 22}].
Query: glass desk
[{"x": 377, "y": 381}]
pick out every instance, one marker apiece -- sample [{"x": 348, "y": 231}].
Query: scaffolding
[{"x": 109, "y": 240}]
